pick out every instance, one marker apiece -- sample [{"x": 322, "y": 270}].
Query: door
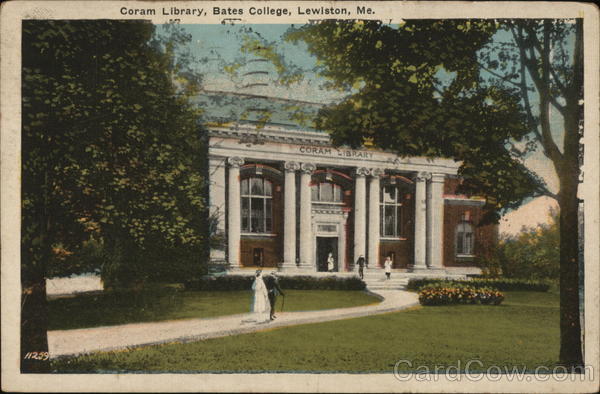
[
  {"x": 326, "y": 245},
  {"x": 258, "y": 257}
]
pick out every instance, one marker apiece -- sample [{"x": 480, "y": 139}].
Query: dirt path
[{"x": 85, "y": 340}]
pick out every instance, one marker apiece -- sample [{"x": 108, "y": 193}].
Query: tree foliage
[
  {"x": 110, "y": 151},
  {"x": 110, "y": 140},
  {"x": 417, "y": 90}
]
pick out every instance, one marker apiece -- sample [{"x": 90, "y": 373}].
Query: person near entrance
[
  {"x": 327, "y": 250},
  {"x": 330, "y": 262},
  {"x": 361, "y": 265},
  {"x": 272, "y": 284},
  {"x": 388, "y": 267}
]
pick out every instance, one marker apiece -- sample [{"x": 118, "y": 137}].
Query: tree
[
  {"x": 558, "y": 80},
  {"x": 533, "y": 253},
  {"x": 450, "y": 88},
  {"x": 110, "y": 148}
]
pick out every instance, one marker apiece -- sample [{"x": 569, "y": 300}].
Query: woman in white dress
[
  {"x": 388, "y": 267},
  {"x": 261, "y": 307},
  {"x": 330, "y": 262}
]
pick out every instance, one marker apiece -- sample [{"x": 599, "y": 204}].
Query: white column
[
  {"x": 342, "y": 246},
  {"x": 374, "y": 219},
  {"x": 360, "y": 212},
  {"x": 420, "y": 220},
  {"x": 289, "y": 218},
  {"x": 233, "y": 207},
  {"x": 216, "y": 201},
  {"x": 306, "y": 234},
  {"x": 435, "y": 221}
]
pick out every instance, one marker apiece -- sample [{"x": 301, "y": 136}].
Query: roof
[{"x": 222, "y": 107}]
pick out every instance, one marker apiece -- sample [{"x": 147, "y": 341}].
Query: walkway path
[{"x": 85, "y": 340}]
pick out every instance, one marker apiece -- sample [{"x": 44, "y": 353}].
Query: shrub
[
  {"x": 126, "y": 265},
  {"x": 499, "y": 284},
  {"x": 301, "y": 282},
  {"x": 444, "y": 294},
  {"x": 533, "y": 253},
  {"x": 323, "y": 283}
]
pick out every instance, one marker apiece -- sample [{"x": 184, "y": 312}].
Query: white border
[{"x": 12, "y": 380}]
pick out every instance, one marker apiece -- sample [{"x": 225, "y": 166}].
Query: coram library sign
[{"x": 333, "y": 152}]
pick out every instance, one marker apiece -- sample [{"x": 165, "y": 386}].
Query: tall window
[
  {"x": 464, "y": 239},
  {"x": 326, "y": 192},
  {"x": 392, "y": 202},
  {"x": 257, "y": 203}
]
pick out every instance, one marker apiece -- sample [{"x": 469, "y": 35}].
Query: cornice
[{"x": 270, "y": 134}]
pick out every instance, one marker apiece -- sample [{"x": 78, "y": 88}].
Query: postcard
[{"x": 272, "y": 196}]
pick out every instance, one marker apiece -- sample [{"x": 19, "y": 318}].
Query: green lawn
[
  {"x": 524, "y": 330},
  {"x": 110, "y": 309}
]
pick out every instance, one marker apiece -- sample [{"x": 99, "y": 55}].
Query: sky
[
  {"x": 220, "y": 45},
  {"x": 216, "y": 46}
]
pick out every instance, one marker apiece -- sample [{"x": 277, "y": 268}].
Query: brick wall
[
  {"x": 271, "y": 250},
  {"x": 484, "y": 236},
  {"x": 403, "y": 250},
  {"x": 450, "y": 185}
]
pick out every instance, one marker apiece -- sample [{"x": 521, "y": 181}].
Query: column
[
  {"x": 360, "y": 212},
  {"x": 216, "y": 201},
  {"x": 435, "y": 222},
  {"x": 233, "y": 207},
  {"x": 289, "y": 218},
  {"x": 306, "y": 234},
  {"x": 420, "y": 220},
  {"x": 374, "y": 213}
]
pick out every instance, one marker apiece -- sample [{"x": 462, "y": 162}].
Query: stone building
[{"x": 282, "y": 196}]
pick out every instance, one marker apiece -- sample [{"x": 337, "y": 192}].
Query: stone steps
[{"x": 378, "y": 281}]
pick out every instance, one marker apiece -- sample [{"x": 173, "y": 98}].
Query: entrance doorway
[
  {"x": 258, "y": 257},
  {"x": 326, "y": 245}
]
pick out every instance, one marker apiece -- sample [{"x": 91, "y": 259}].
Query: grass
[
  {"x": 121, "y": 308},
  {"x": 523, "y": 331}
]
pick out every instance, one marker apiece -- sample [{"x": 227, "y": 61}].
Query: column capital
[
  {"x": 308, "y": 168},
  {"x": 422, "y": 176},
  {"x": 438, "y": 178},
  {"x": 235, "y": 161},
  {"x": 377, "y": 172},
  {"x": 361, "y": 171},
  {"x": 291, "y": 166}
]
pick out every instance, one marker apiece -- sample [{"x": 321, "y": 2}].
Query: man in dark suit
[
  {"x": 273, "y": 290},
  {"x": 361, "y": 265}
]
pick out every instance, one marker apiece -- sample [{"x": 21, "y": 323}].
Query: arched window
[
  {"x": 257, "y": 205},
  {"x": 464, "y": 239},
  {"x": 326, "y": 192},
  {"x": 393, "y": 201}
]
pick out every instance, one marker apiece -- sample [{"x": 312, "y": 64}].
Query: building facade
[{"x": 286, "y": 198}]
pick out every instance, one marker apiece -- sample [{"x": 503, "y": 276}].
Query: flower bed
[
  {"x": 437, "y": 294},
  {"x": 500, "y": 283}
]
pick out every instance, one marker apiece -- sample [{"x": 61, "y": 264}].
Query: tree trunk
[
  {"x": 34, "y": 326},
  {"x": 570, "y": 327},
  {"x": 571, "y": 352},
  {"x": 35, "y": 254}
]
